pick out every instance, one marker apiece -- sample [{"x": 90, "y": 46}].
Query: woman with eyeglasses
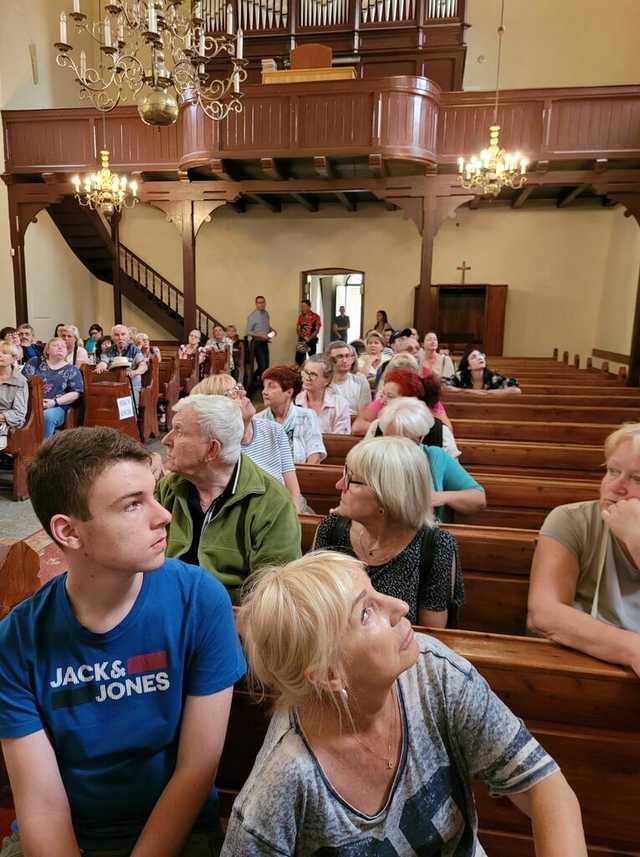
[
  {"x": 264, "y": 442},
  {"x": 379, "y": 732},
  {"x": 474, "y": 374},
  {"x": 319, "y": 394},
  {"x": 385, "y": 519}
]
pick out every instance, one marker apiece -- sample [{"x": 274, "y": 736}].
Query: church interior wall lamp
[
  {"x": 494, "y": 168},
  {"x": 155, "y": 51}
]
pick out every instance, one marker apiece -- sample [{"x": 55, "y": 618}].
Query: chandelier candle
[{"x": 155, "y": 52}]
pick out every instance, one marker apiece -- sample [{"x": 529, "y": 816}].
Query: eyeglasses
[
  {"x": 348, "y": 479},
  {"x": 235, "y": 392},
  {"x": 312, "y": 376}
]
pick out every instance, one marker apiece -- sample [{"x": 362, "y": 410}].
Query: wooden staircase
[{"x": 89, "y": 237}]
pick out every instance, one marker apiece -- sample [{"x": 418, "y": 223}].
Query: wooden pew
[
  {"x": 498, "y": 410},
  {"x": 22, "y": 444},
  {"x": 495, "y": 565},
  {"x": 575, "y": 400},
  {"x": 523, "y": 458},
  {"x": 101, "y": 394},
  {"x": 512, "y": 501},
  {"x": 590, "y": 434},
  {"x": 585, "y": 712},
  {"x": 148, "y": 406},
  {"x": 19, "y": 567}
]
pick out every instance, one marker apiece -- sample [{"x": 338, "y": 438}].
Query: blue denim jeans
[{"x": 53, "y": 417}]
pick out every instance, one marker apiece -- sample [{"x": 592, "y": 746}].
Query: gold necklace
[{"x": 389, "y": 759}]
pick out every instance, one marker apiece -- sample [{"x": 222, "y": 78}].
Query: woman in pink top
[{"x": 321, "y": 396}]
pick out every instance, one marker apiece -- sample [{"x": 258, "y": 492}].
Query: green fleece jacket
[{"x": 256, "y": 526}]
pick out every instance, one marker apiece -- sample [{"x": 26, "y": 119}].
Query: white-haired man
[
  {"x": 124, "y": 347},
  {"x": 228, "y": 515}
]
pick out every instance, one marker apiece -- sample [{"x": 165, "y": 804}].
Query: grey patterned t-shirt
[{"x": 455, "y": 730}]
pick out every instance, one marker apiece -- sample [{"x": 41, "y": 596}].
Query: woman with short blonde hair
[
  {"x": 76, "y": 352},
  {"x": 14, "y": 391},
  {"x": 379, "y": 732},
  {"x": 584, "y": 589},
  {"x": 385, "y": 520}
]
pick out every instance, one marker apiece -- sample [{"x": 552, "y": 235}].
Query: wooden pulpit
[{"x": 468, "y": 313}]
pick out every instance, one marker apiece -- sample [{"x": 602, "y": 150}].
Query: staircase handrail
[{"x": 162, "y": 289}]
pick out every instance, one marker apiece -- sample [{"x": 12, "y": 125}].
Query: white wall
[{"x": 553, "y": 43}]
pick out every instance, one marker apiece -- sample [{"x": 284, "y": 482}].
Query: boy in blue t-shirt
[{"x": 116, "y": 677}]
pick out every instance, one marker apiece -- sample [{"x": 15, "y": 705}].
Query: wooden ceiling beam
[
  {"x": 520, "y": 199},
  {"x": 310, "y": 203},
  {"x": 346, "y": 202},
  {"x": 271, "y": 169},
  {"x": 272, "y": 204},
  {"x": 323, "y": 167},
  {"x": 239, "y": 206},
  {"x": 567, "y": 198},
  {"x": 218, "y": 170}
]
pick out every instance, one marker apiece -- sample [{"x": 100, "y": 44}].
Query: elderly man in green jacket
[{"x": 227, "y": 514}]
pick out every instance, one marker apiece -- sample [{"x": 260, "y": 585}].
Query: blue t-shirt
[
  {"x": 112, "y": 703},
  {"x": 447, "y": 474}
]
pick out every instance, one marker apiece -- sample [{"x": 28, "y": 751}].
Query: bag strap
[{"x": 602, "y": 556}]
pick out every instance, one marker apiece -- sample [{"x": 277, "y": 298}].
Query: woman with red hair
[
  {"x": 281, "y": 384},
  {"x": 397, "y": 383}
]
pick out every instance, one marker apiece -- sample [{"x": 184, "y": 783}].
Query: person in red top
[{"x": 307, "y": 328}]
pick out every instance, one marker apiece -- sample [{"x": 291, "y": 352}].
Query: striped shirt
[{"x": 269, "y": 449}]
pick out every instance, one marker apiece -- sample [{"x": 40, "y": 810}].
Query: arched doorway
[{"x": 328, "y": 289}]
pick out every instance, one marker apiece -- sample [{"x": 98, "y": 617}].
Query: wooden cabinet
[{"x": 466, "y": 313}]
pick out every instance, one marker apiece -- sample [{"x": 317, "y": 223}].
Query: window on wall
[{"x": 330, "y": 289}]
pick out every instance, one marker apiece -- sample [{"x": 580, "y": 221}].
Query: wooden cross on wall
[{"x": 464, "y": 268}]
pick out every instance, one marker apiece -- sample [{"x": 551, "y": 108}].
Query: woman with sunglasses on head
[
  {"x": 473, "y": 374},
  {"x": 385, "y": 519},
  {"x": 263, "y": 441},
  {"x": 379, "y": 732}
]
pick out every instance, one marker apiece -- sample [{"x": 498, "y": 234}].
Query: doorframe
[{"x": 331, "y": 272}]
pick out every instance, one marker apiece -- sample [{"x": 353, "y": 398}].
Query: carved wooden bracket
[
  {"x": 202, "y": 211},
  {"x": 631, "y": 202}
]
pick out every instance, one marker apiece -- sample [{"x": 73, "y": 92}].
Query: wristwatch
[{"x": 55, "y": 401}]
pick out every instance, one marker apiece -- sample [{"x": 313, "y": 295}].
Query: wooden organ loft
[{"x": 379, "y": 38}]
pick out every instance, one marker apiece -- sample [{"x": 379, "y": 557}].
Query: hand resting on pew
[{"x": 585, "y": 578}]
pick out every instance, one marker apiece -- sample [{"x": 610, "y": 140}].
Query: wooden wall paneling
[
  {"x": 263, "y": 126},
  {"x": 47, "y": 139},
  {"x": 577, "y": 125},
  {"x": 130, "y": 141},
  {"x": 408, "y": 124},
  {"x": 495, "y": 310},
  {"x": 327, "y": 123}
]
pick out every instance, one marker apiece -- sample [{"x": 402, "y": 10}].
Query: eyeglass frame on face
[
  {"x": 312, "y": 376},
  {"x": 348, "y": 479},
  {"x": 235, "y": 392}
]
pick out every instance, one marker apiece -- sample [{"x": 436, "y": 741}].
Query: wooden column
[
  {"x": 631, "y": 202},
  {"x": 424, "y": 314},
  {"x": 17, "y": 258},
  {"x": 188, "y": 268},
  {"x": 117, "y": 294}
]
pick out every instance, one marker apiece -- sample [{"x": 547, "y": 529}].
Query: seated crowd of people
[{"x": 185, "y": 571}]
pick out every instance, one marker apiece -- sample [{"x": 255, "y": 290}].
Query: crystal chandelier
[
  {"x": 156, "y": 51},
  {"x": 494, "y": 168},
  {"x": 105, "y": 191}
]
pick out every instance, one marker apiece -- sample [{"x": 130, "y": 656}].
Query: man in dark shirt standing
[
  {"x": 307, "y": 329},
  {"x": 341, "y": 324},
  {"x": 260, "y": 332}
]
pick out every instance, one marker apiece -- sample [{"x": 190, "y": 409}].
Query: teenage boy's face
[{"x": 126, "y": 530}]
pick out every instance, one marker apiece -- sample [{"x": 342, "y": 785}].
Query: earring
[
  {"x": 381, "y": 511},
  {"x": 344, "y": 693}
]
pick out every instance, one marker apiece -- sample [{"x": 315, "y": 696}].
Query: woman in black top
[
  {"x": 384, "y": 519},
  {"x": 473, "y": 374}
]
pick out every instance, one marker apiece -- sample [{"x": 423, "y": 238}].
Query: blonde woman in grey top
[
  {"x": 379, "y": 731},
  {"x": 585, "y": 578},
  {"x": 14, "y": 392}
]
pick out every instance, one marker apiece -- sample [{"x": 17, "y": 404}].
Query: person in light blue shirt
[
  {"x": 116, "y": 677},
  {"x": 453, "y": 487}
]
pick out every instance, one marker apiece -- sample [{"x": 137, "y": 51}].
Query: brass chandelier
[
  {"x": 105, "y": 191},
  {"x": 155, "y": 51},
  {"x": 494, "y": 168}
]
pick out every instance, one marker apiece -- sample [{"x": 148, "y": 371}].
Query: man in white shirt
[{"x": 353, "y": 387}]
